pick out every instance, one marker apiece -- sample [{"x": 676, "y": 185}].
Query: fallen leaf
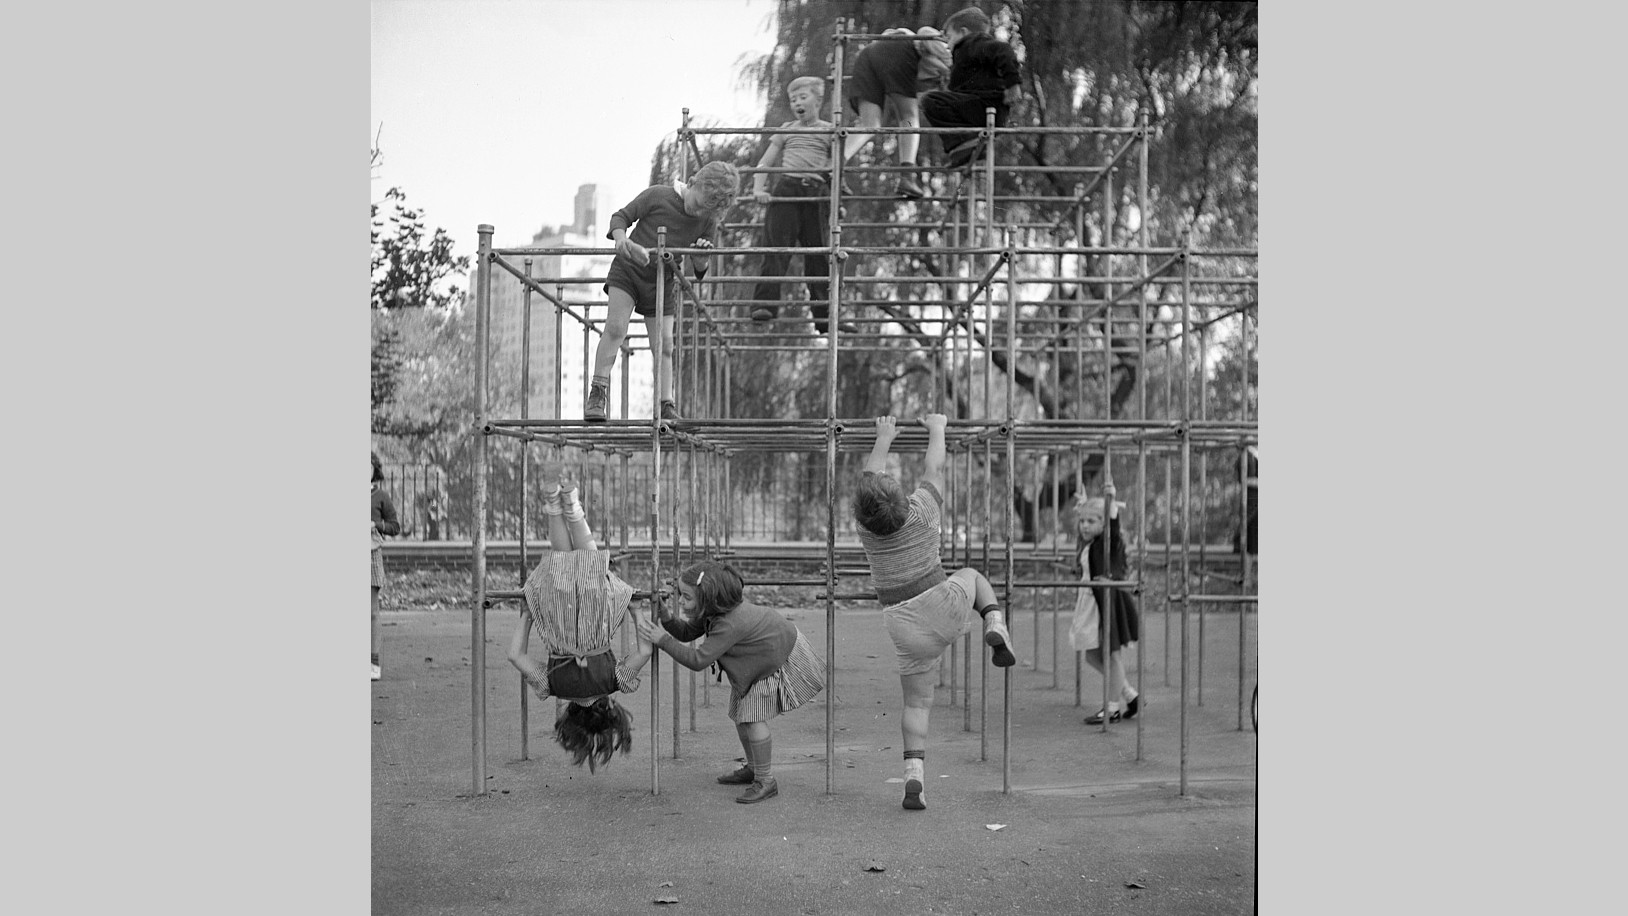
[
  {"x": 996, "y": 826},
  {"x": 875, "y": 866},
  {"x": 665, "y": 884},
  {"x": 666, "y": 900},
  {"x": 1136, "y": 884}
]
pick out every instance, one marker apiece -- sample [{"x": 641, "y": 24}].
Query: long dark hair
[{"x": 592, "y": 734}]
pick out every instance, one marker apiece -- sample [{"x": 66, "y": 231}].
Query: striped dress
[{"x": 577, "y": 604}]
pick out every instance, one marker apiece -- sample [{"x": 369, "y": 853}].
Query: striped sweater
[{"x": 906, "y": 563}]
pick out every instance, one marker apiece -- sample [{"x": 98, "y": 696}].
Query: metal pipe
[{"x": 477, "y": 618}]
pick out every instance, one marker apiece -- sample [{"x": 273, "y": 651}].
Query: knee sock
[
  {"x": 915, "y": 762},
  {"x": 603, "y": 381},
  {"x": 984, "y": 611},
  {"x": 760, "y": 755}
]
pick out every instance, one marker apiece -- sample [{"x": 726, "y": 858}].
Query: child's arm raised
[
  {"x": 933, "y": 468},
  {"x": 886, "y": 429}
]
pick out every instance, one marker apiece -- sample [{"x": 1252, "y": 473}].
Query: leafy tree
[
  {"x": 411, "y": 271},
  {"x": 1189, "y": 68}
]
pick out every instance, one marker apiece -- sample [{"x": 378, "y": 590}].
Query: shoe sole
[
  {"x": 912, "y": 795},
  {"x": 593, "y": 419},
  {"x": 1001, "y": 656}
]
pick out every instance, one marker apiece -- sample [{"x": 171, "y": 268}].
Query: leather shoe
[
  {"x": 740, "y": 777},
  {"x": 759, "y": 792},
  {"x": 1132, "y": 706},
  {"x": 762, "y": 314},
  {"x": 1096, "y": 717}
]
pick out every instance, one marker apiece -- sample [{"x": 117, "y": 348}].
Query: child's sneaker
[{"x": 997, "y": 638}]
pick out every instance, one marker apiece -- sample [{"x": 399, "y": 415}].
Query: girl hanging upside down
[{"x": 577, "y": 603}]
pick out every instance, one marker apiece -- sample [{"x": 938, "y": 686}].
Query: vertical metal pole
[
  {"x": 656, "y": 346},
  {"x": 1243, "y": 548},
  {"x": 477, "y": 620},
  {"x": 1203, "y": 496},
  {"x": 525, "y": 502},
  {"x": 1142, "y": 495},
  {"x": 1107, "y": 611},
  {"x": 831, "y": 433},
  {"x": 1186, "y": 492},
  {"x": 1011, "y": 514}
]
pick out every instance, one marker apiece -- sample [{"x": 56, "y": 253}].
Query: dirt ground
[{"x": 1091, "y": 821}]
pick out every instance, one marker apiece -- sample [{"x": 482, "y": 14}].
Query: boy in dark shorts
[
  {"x": 888, "y": 76},
  {"x": 691, "y": 218}
]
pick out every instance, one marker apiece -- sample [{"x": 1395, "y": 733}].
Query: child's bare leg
[
  {"x": 559, "y": 535},
  {"x": 575, "y": 520},
  {"x": 996, "y": 635},
  {"x": 663, "y": 325},
  {"x": 376, "y": 605},
  {"x": 909, "y": 115},
  {"x": 870, "y": 117},
  {"x": 918, "y": 705},
  {"x": 614, "y": 332},
  {"x": 1116, "y": 675}
]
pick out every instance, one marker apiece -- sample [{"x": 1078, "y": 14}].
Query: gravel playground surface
[{"x": 1085, "y": 827}]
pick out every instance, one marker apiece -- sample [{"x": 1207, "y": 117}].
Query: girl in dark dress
[{"x": 1102, "y": 557}]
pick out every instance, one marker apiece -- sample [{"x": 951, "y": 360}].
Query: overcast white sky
[{"x": 495, "y": 111}]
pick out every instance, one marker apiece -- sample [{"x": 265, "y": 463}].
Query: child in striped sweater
[{"x": 924, "y": 609}]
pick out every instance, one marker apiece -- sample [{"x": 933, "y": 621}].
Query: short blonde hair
[
  {"x": 807, "y": 82},
  {"x": 716, "y": 184}
]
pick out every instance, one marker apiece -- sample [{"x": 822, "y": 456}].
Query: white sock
[{"x": 913, "y": 769}]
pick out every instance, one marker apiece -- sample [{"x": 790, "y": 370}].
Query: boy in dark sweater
[
  {"x": 983, "y": 74},
  {"x": 691, "y": 219}
]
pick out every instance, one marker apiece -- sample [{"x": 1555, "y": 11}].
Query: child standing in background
[
  {"x": 385, "y": 523},
  {"x": 1102, "y": 557},
  {"x": 797, "y": 223},
  {"x": 691, "y": 218}
]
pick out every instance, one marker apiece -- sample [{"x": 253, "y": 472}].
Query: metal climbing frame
[{"x": 1001, "y": 265}]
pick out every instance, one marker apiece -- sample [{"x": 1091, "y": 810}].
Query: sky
[{"x": 495, "y": 111}]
